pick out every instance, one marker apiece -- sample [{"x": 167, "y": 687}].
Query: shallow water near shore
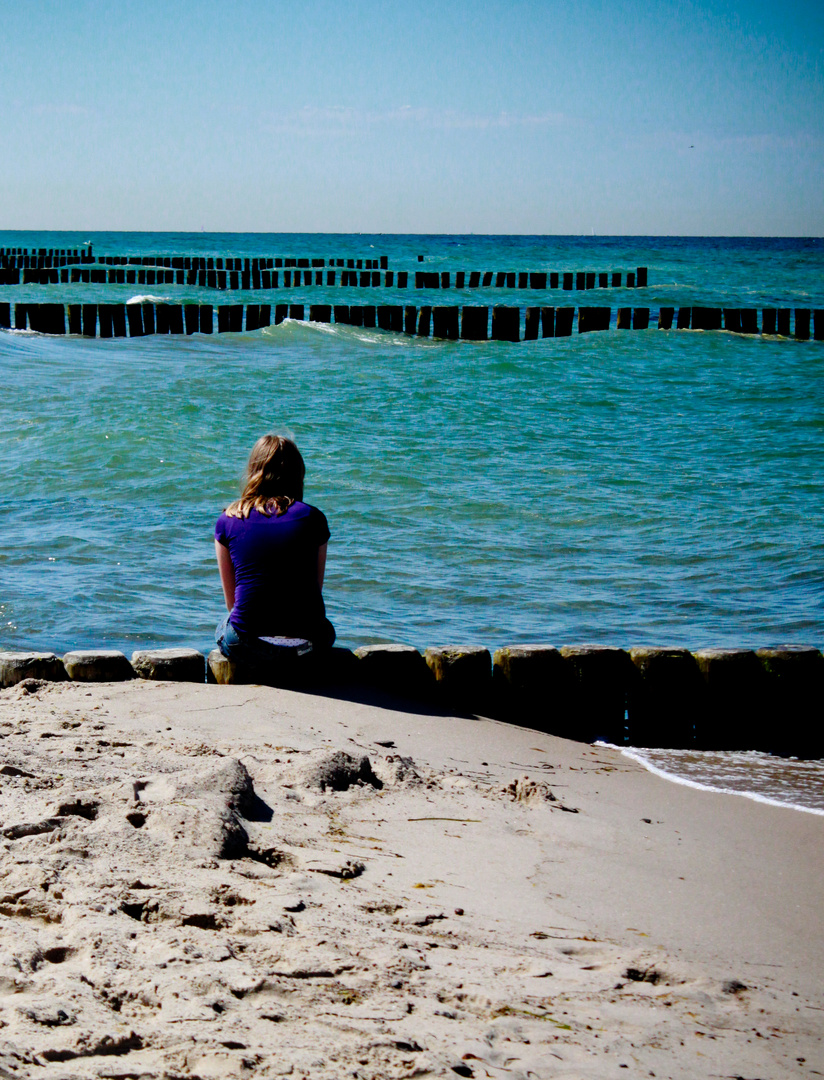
[{"x": 797, "y": 785}]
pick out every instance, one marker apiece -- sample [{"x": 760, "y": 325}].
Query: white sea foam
[
  {"x": 711, "y": 768},
  {"x": 150, "y": 300}
]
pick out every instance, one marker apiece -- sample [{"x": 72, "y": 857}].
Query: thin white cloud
[
  {"x": 59, "y": 108},
  {"x": 331, "y": 119}
]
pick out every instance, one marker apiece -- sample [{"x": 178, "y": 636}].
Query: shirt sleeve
[
  {"x": 321, "y": 527},
  {"x": 220, "y": 531}
]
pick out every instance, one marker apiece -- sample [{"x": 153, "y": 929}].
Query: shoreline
[
  {"x": 637, "y": 754},
  {"x": 495, "y": 898}
]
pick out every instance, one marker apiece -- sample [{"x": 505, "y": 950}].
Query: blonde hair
[{"x": 274, "y": 478}]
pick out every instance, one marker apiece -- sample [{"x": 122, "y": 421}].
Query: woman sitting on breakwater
[{"x": 271, "y": 552}]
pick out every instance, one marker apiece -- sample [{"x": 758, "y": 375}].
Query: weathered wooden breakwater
[
  {"x": 728, "y": 699},
  {"x": 469, "y": 323},
  {"x": 50, "y": 267}
]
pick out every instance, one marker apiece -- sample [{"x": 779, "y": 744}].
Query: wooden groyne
[
  {"x": 722, "y": 699},
  {"x": 55, "y": 267},
  {"x": 469, "y": 323}
]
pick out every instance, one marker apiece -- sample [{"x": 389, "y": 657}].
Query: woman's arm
[
  {"x": 227, "y": 574},
  {"x": 321, "y": 564}
]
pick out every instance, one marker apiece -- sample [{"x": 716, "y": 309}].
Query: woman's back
[{"x": 275, "y": 559}]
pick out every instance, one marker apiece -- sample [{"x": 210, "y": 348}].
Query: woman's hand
[{"x": 227, "y": 574}]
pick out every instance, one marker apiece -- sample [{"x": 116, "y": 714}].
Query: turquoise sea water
[{"x": 642, "y": 487}]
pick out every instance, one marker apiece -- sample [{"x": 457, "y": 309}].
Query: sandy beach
[{"x": 219, "y": 881}]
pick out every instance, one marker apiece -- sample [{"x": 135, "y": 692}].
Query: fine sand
[{"x": 209, "y": 881}]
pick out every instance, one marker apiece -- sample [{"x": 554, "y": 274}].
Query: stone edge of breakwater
[{"x": 765, "y": 699}]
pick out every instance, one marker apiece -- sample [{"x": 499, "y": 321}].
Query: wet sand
[{"x": 202, "y": 881}]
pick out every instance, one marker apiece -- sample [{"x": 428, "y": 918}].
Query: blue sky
[{"x": 532, "y": 117}]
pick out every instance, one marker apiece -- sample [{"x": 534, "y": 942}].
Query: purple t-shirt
[{"x": 276, "y": 570}]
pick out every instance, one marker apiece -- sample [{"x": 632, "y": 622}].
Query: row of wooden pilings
[
  {"x": 446, "y": 323},
  {"x": 726, "y": 699},
  {"x": 43, "y": 259},
  {"x": 195, "y": 270},
  {"x": 257, "y": 278}
]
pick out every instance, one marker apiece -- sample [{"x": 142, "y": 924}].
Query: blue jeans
[{"x": 255, "y": 653}]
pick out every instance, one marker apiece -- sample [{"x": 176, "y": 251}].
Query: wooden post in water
[
  {"x": 624, "y": 318},
  {"x": 616, "y": 279},
  {"x": 794, "y": 679},
  {"x": 731, "y": 716},
  {"x": 410, "y": 316},
  {"x": 356, "y": 315},
  {"x": 642, "y": 277},
  {"x": 532, "y": 323},
  {"x": 119, "y": 320},
  {"x": 342, "y": 314},
  {"x": 281, "y": 312},
  {"x": 148, "y": 318},
  {"x": 370, "y": 316},
  {"x": 563, "y": 321},
  {"x": 445, "y": 323},
  {"x": 593, "y": 318},
  {"x": 460, "y": 278},
  {"x": 537, "y": 281},
  {"x": 547, "y": 322},
  {"x": 749, "y": 321},
  {"x": 506, "y": 324},
  {"x": 296, "y": 312},
  {"x": 568, "y": 280},
  {"x": 474, "y": 279},
  {"x": 523, "y": 280},
  {"x": 424, "y": 319},
  {"x": 553, "y": 280},
  {"x": 706, "y": 318},
  {"x": 665, "y": 316},
  {"x": 802, "y": 324},
  {"x": 818, "y": 324},
  {"x": 134, "y": 314},
  {"x": 590, "y": 280},
  {"x": 474, "y": 323},
  {"x": 321, "y": 313},
  {"x": 640, "y": 318},
  {"x": 768, "y": 321},
  {"x": 684, "y": 317},
  {"x": 175, "y": 319},
  {"x": 192, "y": 315},
  {"x": 75, "y": 318},
  {"x": 403, "y": 277},
  {"x": 603, "y": 281},
  {"x": 580, "y": 280},
  {"x": 54, "y": 318},
  {"x": 783, "y": 322},
  {"x": 732, "y": 320},
  {"x": 668, "y": 685}
]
